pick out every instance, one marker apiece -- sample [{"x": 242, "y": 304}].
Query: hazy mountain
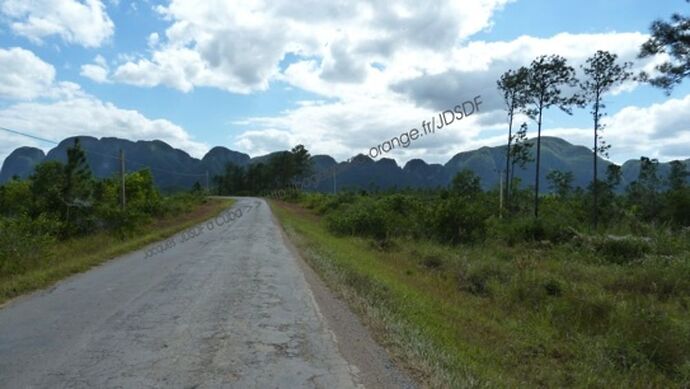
[
  {"x": 175, "y": 169},
  {"x": 172, "y": 168},
  {"x": 21, "y": 163},
  {"x": 216, "y": 159}
]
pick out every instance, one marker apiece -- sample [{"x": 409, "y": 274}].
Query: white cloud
[
  {"x": 85, "y": 23},
  {"x": 410, "y": 88},
  {"x": 660, "y": 130},
  {"x": 61, "y": 109},
  {"x": 97, "y": 71},
  {"x": 153, "y": 39},
  {"x": 345, "y": 128},
  {"x": 239, "y": 46},
  {"x": 87, "y": 115},
  {"x": 24, "y": 76}
]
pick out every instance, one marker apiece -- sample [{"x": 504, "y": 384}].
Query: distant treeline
[
  {"x": 278, "y": 173},
  {"x": 60, "y": 201}
]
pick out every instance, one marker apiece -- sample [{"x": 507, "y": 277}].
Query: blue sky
[{"x": 263, "y": 76}]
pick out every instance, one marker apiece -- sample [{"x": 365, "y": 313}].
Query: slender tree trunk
[
  {"x": 536, "y": 178},
  {"x": 512, "y": 173},
  {"x": 595, "y": 184},
  {"x": 510, "y": 139}
]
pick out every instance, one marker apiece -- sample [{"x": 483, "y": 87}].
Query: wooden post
[{"x": 122, "y": 178}]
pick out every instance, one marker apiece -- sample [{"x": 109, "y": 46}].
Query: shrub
[
  {"x": 664, "y": 279},
  {"x": 621, "y": 250},
  {"x": 455, "y": 220},
  {"x": 529, "y": 229},
  {"x": 363, "y": 218},
  {"x": 24, "y": 239},
  {"x": 582, "y": 312},
  {"x": 643, "y": 333},
  {"x": 325, "y": 203},
  {"x": 532, "y": 289},
  {"x": 476, "y": 277}
]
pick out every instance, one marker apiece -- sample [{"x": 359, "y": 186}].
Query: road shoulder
[{"x": 355, "y": 343}]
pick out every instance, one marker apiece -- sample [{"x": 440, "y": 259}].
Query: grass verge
[
  {"x": 81, "y": 254},
  {"x": 497, "y": 316}
]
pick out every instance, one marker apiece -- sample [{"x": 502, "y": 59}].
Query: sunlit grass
[{"x": 497, "y": 316}]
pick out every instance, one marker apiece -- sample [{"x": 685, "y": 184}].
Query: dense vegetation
[
  {"x": 278, "y": 172},
  {"x": 61, "y": 202},
  {"x": 548, "y": 301}
]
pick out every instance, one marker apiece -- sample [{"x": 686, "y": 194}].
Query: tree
[
  {"x": 677, "y": 199},
  {"x": 46, "y": 188},
  {"x": 513, "y": 84},
  {"x": 302, "y": 162},
  {"x": 77, "y": 174},
  {"x": 609, "y": 208},
  {"x": 547, "y": 75},
  {"x": 77, "y": 187},
  {"x": 561, "y": 182},
  {"x": 521, "y": 151},
  {"x": 643, "y": 193},
  {"x": 613, "y": 176},
  {"x": 466, "y": 184},
  {"x": 678, "y": 176},
  {"x": 671, "y": 38},
  {"x": 282, "y": 168},
  {"x": 13, "y": 198},
  {"x": 602, "y": 74}
]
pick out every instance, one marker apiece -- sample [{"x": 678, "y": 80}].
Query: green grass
[
  {"x": 81, "y": 254},
  {"x": 494, "y": 315}
]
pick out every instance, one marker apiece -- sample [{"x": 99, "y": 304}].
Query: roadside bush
[
  {"x": 123, "y": 223},
  {"x": 430, "y": 256},
  {"x": 312, "y": 200},
  {"x": 363, "y": 218},
  {"x": 476, "y": 277},
  {"x": 324, "y": 204},
  {"x": 455, "y": 220},
  {"x": 24, "y": 239},
  {"x": 528, "y": 229},
  {"x": 664, "y": 279},
  {"x": 532, "y": 289},
  {"x": 621, "y": 249}
]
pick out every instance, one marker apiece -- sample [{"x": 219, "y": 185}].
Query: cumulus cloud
[
  {"x": 40, "y": 105},
  {"x": 349, "y": 127},
  {"x": 85, "y": 23},
  {"x": 24, "y": 76},
  {"x": 27, "y": 77},
  {"x": 240, "y": 46},
  {"x": 87, "y": 115},
  {"x": 96, "y": 71},
  {"x": 656, "y": 130},
  {"x": 478, "y": 65},
  {"x": 408, "y": 89},
  {"x": 153, "y": 39}
]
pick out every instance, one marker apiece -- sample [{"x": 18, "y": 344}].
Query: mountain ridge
[{"x": 174, "y": 168}]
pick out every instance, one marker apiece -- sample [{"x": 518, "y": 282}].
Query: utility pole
[
  {"x": 334, "y": 183},
  {"x": 207, "y": 182},
  {"x": 122, "y": 178}
]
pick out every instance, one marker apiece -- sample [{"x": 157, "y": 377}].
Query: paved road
[{"x": 228, "y": 308}]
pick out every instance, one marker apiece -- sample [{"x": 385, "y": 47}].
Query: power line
[
  {"x": 116, "y": 157},
  {"x": 28, "y": 135}
]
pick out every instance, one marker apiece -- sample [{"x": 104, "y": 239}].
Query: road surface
[{"x": 231, "y": 307}]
